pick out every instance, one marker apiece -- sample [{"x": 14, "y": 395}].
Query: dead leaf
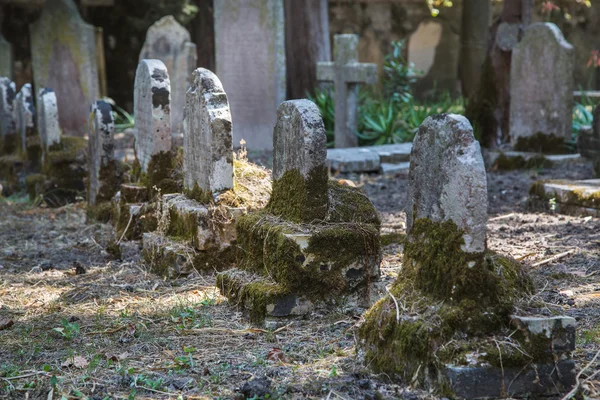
[
  {"x": 276, "y": 354},
  {"x": 77, "y": 362},
  {"x": 6, "y": 323}
]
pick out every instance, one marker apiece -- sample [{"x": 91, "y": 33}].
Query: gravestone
[
  {"x": 25, "y": 116},
  {"x": 152, "y": 110},
  {"x": 208, "y": 146},
  {"x": 250, "y": 61},
  {"x": 452, "y": 286},
  {"x": 6, "y": 58},
  {"x": 541, "y": 88},
  {"x": 47, "y": 119},
  {"x": 63, "y": 52},
  {"x": 346, "y": 73},
  {"x": 8, "y": 129},
  {"x": 103, "y": 170},
  {"x": 169, "y": 42}
]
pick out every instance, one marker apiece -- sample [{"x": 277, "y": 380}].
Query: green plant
[
  {"x": 123, "y": 120},
  {"x": 381, "y": 124},
  {"x": 69, "y": 330},
  {"x": 323, "y": 98},
  {"x": 398, "y": 74}
]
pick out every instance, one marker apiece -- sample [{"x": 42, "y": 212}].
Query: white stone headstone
[
  {"x": 447, "y": 178},
  {"x": 152, "y": 110},
  {"x": 8, "y": 129},
  {"x": 250, "y": 61},
  {"x": 63, "y": 53},
  {"x": 208, "y": 141},
  {"x": 541, "y": 84},
  {"x": 169, "y": 42},
  {"x": 47, "y": 119},
  {"x": 25, "y": 116},
  {"x": 101, "y": 147}
]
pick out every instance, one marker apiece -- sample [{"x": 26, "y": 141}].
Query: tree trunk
[
  {"x": 474, "y": 38},
  {"x": 307, "y": 42},
  {"x": 489, "y": 109},
  {"x": 203, "y": 34}
]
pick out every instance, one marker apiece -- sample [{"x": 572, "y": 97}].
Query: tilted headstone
[
  {"x": 8, "y": 129},
  {"x": 169, "y": 42},
  {"x": 63, "y": 51},
  {"x": 47, "y": 118},
  {"x": 25, "y": 116},
  {"x": 152, "y": 110},
  {"x": 6, "y": 58},
  {"x": 208, "y": 142},
  {"x": 346, "y": 73},
  {"x": 250, "y": 61},
  {"x": 299, "y": 159},
  {"x": 447, "y": 179},
  {"x": 541, "y": 84},
  {"x": 101, "y": 148}
]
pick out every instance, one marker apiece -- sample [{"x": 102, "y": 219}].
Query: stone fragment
[
  {"x": 8, "y": 128},
  {"x": 250, "y": 61},
  {"x": 25, "y": 116},
  {"x": 63, "y": 52},
  {"x": 353, "y": 159},
  {"x": 346, "y": 73},
  {"x": 169, "y": 42},
  {"x": 299, "y": 169},
  {"x": 558, "y": 333},
  {"x": 541, "y": 87},
  {"x": 447, "y": 179},
  {"x": 579, "y": 198},
  {"x": 47, "y": 119},
  {"x": 104, "y": 174},
  {"x": 152, "y": 110},
  {"x": 208, "y": 142},
  {"x": 6, "y": 58}
]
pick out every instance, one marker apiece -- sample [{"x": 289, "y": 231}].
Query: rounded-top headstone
[
  {"x": 101, "y": 148},
  {"x": 152, "y": 110},
  {"x": 8, "y": 92},
  {"x": 447, "y": 178},
  {"x": 208, "y": 142},
  {"x": 48, "y": 126},
  {"x": 25, "y": 114}
]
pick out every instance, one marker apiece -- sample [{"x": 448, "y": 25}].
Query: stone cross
[
  {"x": 63, "y": 56},
  {"x": 152, "y": 110},
  {"x": 346, "y": 73},
  {"x": 47, "y": 119},
  {"x": 6, "y": 58},
  {"x": 208, "y": 141},
  {"x": 8, "y": 127},
  {"x": 25, "y": 116},
  {"x": 300, "y": 155},
  {"x": 447, "y": 179},
  {"x": 101, "y": 148},
  {"x": 169, "y": 42},
  {"x": 541, "y": 84},
  {"x": 250, "y": 61}
]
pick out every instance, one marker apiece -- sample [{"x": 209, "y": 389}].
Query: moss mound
[
  {"x": 542, "y": 143},
  {"x": 508, "y": 163}
]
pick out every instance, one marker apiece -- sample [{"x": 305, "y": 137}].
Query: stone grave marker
[
  {"x": 169, "y": 42},
  {"x": 47, "y": 119},
  {"x": 6, "y": 58},
  {"x": 25, "y": 116},
  {"x": 346, "y": 73},
  {"x": 8, "y": 129},
  {"x": 208, "y": 142},
  {"x": 103, "y": 170},
  {"x": 152, "y": 110},
  {"x": 452, "y": 286},
  {"x": 63, "y": 51},
  {"x": 250, "y": 61},
  {"x": 541, "y": 87}
]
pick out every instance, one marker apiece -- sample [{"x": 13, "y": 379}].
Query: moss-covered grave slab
[
  {"x": 579, "y": 198},
  {"x": 262, "y": 300},
  {"x": 513, "y": 160}
]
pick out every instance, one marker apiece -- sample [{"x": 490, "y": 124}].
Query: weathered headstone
[
  {"x": 452, "y": 286},
  {"x": 8, "y": 129},
  {"x": 346, "y": 73},
  {"x": 208, "y": 142},
  {"x": 152, "y": 110},
  {"x": 47, "y": 119},
  {"x": 25, "y": 116},
  {"x": 103, "y": 171},
  {"x": 541, "y": 88},
  {"x": 63, "y": 51},
  {"x": 447, "y": 179},
  {"x": 6, "y": 58},
  {"x": 169, "y": 42},
  {"x": 250, "y": 61}
]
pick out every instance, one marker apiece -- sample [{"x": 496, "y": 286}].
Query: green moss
[
  {"x": 8, "y": 144},
  {"x": 34, "y": 151},
  {"x": 132, "y": 193},
  {"x": 110, "y": 177},
  {"x": 297, "y": 199},
  {"x": 35, "y": 184},
  {"x": 201, "y": 196},
  {"x": 542, "y": 143},
  {"x": 159, "y": 168},
  {"x": 392, "y": 238},
  {"x": 144, "y": 221},
  {"x": 114, "y": 249},
  {"x": 508, "y": 163},
  {"x": 349, "y": 204},
  {"x": 575, "y": 197},
  {"x": 184, "y": 226},
  {"x": 105, "y": 212}
]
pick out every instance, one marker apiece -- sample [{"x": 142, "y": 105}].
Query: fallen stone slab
[
  {"x": 579, "y": 198},
  {"x": 511, "y": 160},
  {"x": 400, "y": 168},
  {"x": 369, "y": 158},
  {"x": 392, "y": 153}
]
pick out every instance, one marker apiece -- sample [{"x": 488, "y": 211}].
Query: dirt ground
[{"x": 76, "y": 323}]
